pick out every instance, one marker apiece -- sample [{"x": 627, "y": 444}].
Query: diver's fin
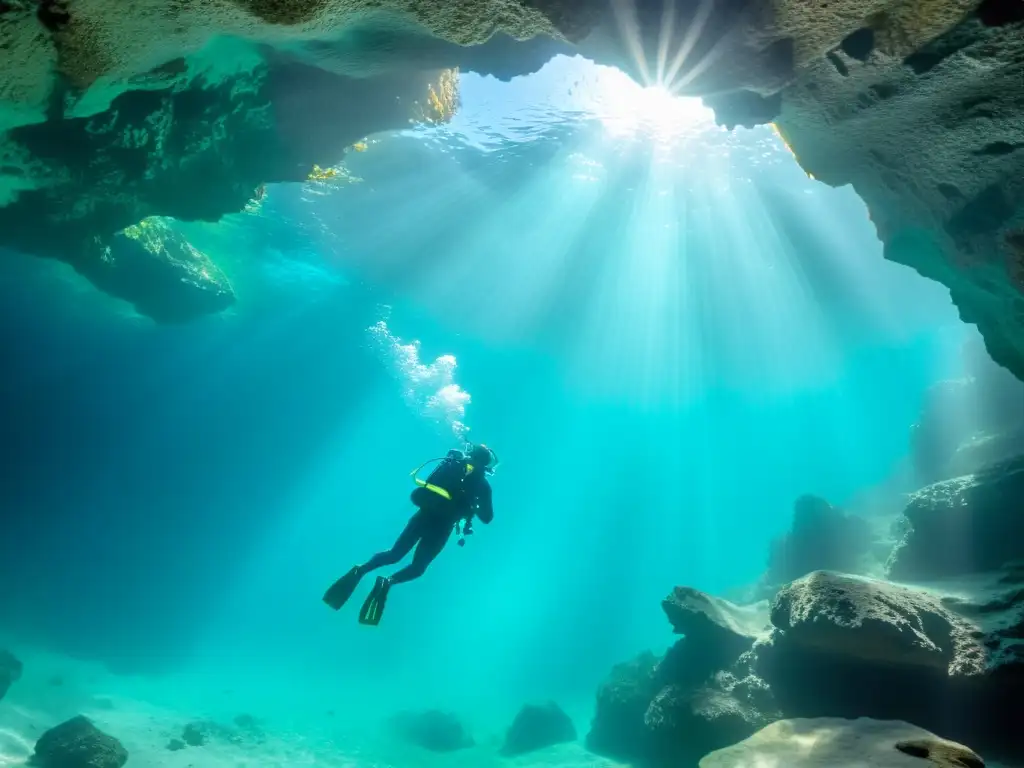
[
  {"x": 341, "y": 590},
  {"x": 373, "y": 608}
]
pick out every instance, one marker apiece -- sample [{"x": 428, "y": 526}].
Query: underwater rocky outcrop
[
  {"x": 618, "y": 729},
  {"x": 702, "y": 695},
  {"x": 432, "y": 729},
  {"x": 157, "y": 270},
  {"x": 184, "y": 110},
  {"x": 537, "y": 726},
  {"x": 822, "y": 537},
  {"x": 10, "y": 670},
  {"x": 192, "y": 150},
  {"x": 946, "y": 658},
  {"x": 77, "y": 743},
  {"x": 969, "y": 524},
  {"x": 919, "y": 109},
  {"x": 810, "y": 743}
]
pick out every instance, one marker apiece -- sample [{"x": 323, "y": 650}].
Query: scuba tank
[{"x": 447, "y": 480}]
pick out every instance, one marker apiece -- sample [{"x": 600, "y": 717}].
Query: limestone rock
[
  {"x": 822, "y": 537},
  {"x": 618, "y": 728},
  {"x": 876, "y": 622},
  {"x": 994, "y": 604},
  {"x": 838, "y": 743},
  {"x": 686, "y": 723},
  {"x": 433, "y": 730},
  {"x": 713, "y": 622},
  {"x": 10, "y": 670},
  {"x": 536, "y": 727},
  {"x": 701, "y": 695},
  {"x": 136, "y": 115},
  {"x": 77, "y": 743},
  {"x": 923, "y": 120},
  {"x": 947, "y": 657},
  {"x": 195, "y": 150},
  {"x": 92, "y": 43},
  {"x": 156, "y": 269},
  {"x": 966, "y": 525}
]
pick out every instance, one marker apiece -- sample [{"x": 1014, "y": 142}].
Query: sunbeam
[{"x": 670, "y": 333}]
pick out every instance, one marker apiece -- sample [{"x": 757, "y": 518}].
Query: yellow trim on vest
[
  {"x": 435, "y": 488},
  {"x": 430, "y": 486}
]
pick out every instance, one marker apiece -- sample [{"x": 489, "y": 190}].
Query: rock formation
[
  {"x": 700, "y": 696},
  {"x": 536, "y": 727},
  {"x": 835, "y": 742},
  {"x": 187, "y": 110},
  {"x": 966, "y": 525},
  {"x": 946, "y": 658},
  {"x": 866, "y": 621},
  {"x": 10, "y": 670},
  {"x": 184, "y": 110},
  {"x": 822, "y": 537},
  {"x": 433, "y": 730},
  {"x": 618, "y": 728},
  {"x": 920, "y": 110},
  {"x": 77, "y": 743}
]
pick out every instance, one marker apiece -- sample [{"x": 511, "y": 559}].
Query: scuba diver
[{"x": 448, "y": 500}]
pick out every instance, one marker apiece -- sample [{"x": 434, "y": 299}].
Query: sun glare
[{"x": 627, "y": 108}]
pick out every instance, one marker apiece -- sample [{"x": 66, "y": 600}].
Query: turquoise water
[{"x": 668, "y": 333}]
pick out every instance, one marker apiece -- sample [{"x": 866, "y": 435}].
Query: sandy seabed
[{"x": 146, "y": 715}]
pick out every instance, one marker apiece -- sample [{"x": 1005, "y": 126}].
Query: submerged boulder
[
  {"x": 945, "y": 658},
  {"x": 713, "y": 622},
  {"x": 823, "y": 537},
  {"x": 685, "y": 723},
  {"x": 538, "y": 726},
  {"x": 618, "y": 728},
  {"x": 700, "y": 696},
  {"x": 10, "y": 670},
  {"x": 970, "y": 524},
  {"x": 433, "y": 730},
  {"x": 77, "y": 743},
  {"x": 874, "y": 622},
  {"x": 833, "y": 742}
]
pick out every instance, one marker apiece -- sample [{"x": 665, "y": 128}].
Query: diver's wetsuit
[{"x": 430, "y": 528}]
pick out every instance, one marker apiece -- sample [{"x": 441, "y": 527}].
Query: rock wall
[
  {"x": 930, "y": 135},
  {"x": 186, "y": 111},
  {"x": 918, "y": 106}
]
